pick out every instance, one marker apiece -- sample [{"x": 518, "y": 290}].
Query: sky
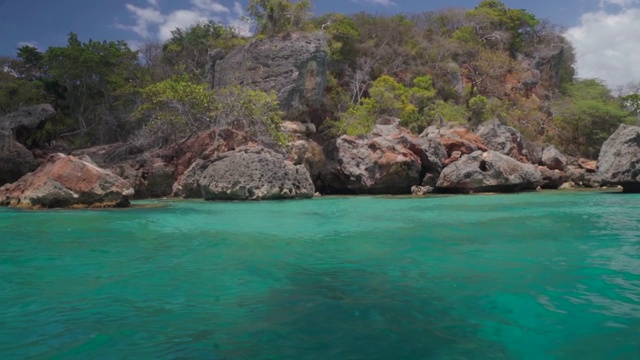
[{"x": 605, "y": 33}]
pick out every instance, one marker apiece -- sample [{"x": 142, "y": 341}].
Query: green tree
[
  {"x": 92, "y": 83},
  {"x": 178, "y": 108},
  {"x": 187, "y": 49},
  {"x": 586, "y": 115},
  {"x": 273, "y": 17},
  {"x": 387, "y": 97}
]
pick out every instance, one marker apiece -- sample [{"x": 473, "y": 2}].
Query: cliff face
[{"x": 294, "y": 66}]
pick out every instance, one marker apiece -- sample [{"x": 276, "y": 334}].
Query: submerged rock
[
  {"x": 248, "y": 173},
  {"x": 619, "y": 160},
  {"x": 67, "y": 181},
  {"x": 488, "y": 171}
]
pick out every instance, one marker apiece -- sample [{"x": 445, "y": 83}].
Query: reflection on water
[{"x": 527, "y": 276}]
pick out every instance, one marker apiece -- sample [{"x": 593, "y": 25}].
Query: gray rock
[
  {"x": 250, "y": 173},
  {"x": 294, "y": 66},
  {"x": 584, "y": 178},
  {"x": 15, "y": 159},
  {"x": 534, "y": 151},
  {"x": 431, "y": 154},
  {"x": 421, "y": 190},
  {"x": 377, "y": 165},
  {"x": 503, "y": 139},
  {"x": 389, "y": 160},
  {"x": 567, "y": 186},
  {"x": 552, "y": 179},
  {"x": 554, "y": 159},
  {"x": 488, "y": 172},
  {"x": 619, "y": 159}
]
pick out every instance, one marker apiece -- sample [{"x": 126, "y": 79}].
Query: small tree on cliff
[{"x": 274, "y": 17}]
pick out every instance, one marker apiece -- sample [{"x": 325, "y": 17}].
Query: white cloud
[
  {"x": 151, "y": 22},
  {"x": 621, "y": 3},
  {"x": 209, "y": 5},
  {"x": 239, "y": 22},
  {"x": 179, "y": 19},
  {"x": 33, "y": 44},
  {"x": 608, "y": 46},
  {"x": 144, "y": 17},
  {"x": 377, "y": 2}
]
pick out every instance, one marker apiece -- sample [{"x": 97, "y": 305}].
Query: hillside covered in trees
[{"x": 459, "y": 66}]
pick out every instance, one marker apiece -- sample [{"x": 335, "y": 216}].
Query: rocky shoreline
[{"x": 228, "y": 165}]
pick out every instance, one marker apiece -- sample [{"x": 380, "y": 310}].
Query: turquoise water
[{"x": 526, "y": 276}]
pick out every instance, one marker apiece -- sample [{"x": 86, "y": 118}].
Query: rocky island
[{"x": 332, "y": 104}]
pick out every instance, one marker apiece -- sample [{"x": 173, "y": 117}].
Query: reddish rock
[
  {"x": 205, "y": 146},
  {"x": 67, "y": 181},
  {"x": 589, "y": 165},
  {"x": 456, "y": 138},
  {"x": 370, "y": 166}
]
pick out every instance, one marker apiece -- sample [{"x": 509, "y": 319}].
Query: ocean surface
[{"x": 551, "y": 275}]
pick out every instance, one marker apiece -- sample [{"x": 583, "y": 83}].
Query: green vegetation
[
  {"x": 449, "y": 66},
  {"x": 586, "y": 114}
]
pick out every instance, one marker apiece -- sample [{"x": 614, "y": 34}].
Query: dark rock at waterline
[
  {"x": 488, "y": 171},
  {"x": 248, "y": 173},
  {"x": 67, "y": 181},
  {"x": 15, "y": 128},
  {"x": 619, "y": 159},
  {"x": 552, "y": 179}
]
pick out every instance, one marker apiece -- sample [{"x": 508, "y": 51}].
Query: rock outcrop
[
  {"x": 488, "y": 171},
  {"x": 390, "y": 160},
  {"x": 553, "y": 159},
  {"x": 248, "y": 173},
  {"x": 153, "y": 173},
  {"x": 15, "y": 159},
  {"x": 552, "y": 179},
  {"x": 294, "y": 66},
  {"x": 619, "y": 159},
  {"x": 455, "y": 138},
  {"x": 67, "y": 181},
  {"x": 503, "y": 139}
]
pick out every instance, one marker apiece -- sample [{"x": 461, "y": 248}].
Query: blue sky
[{"x": 45, "y": 23}]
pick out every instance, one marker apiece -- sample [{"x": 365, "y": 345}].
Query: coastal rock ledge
[
  {"x": 488, "y": 171},
  {"x": 619, "y": 160},
  {"x": 67, "y": 181},
  {"x": 247, "y": 173}
]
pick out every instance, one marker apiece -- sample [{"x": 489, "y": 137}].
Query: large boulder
[
  {"x": 15, "y": 128},
  {"x": 455, "y": 139},
  {"x": 553, "y": 159},
  {"x": 619, "y": 160},
  {"x": 67, "y": 181},
  {"x": 294, "y": 66},
  {"x": 552, "y": 179},
  {"x": 248, "y": 173},
  {"x": 503, "y": 139},
  {"x": 389, "y": 160},
  {"x": 488, "y": 171},
  {"x": 378, "y": 165}
]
